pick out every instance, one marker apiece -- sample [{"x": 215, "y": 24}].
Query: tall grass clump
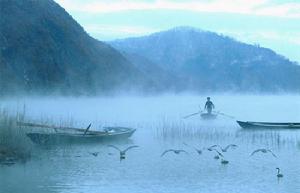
[
  {"x": 14, "y": 144},
  {"x": 179, "y": 129},
  {"x": 174, "y": 129}
]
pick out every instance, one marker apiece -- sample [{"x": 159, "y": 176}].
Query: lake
[{"x": 160, "y": 126}]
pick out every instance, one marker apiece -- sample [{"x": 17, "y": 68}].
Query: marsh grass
[
  {"x": 178, "y": 129},
  {"x": 13, "y": 140},
  {"x": 201, "y": 132}
]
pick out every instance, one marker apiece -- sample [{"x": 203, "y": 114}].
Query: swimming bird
[
  {"x": 223, "y": 161},
  {"x": 279, "y": 175},
  {"x": 217, "y": 157},
  {"x": 176, "y": 151},
  {"x": 199, "y": 151},
  {"x": 226, "y": 148},
  {"x": 263, "y": 151},
  {"x": 94, "y": 153},
  {"x": 123, "y": 152}
]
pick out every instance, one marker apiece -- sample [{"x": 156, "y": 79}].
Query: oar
[
  {"x": 87, "y": 129},
  {"x": 232, "y": 117},
  {"x": 192, "y": 114}
]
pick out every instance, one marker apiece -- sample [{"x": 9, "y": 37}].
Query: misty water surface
[{"x": 160, "y": 126}]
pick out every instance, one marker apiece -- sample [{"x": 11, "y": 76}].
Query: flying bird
[
  {"x": 263, "y": 151},
  {"x": 226, "y": 148},
  {"x": 123, "y": 152},
  {"x": 279, "y": 175},
  {"x": 219, "y": 154},
  {"x": 176, "y": 151},
  {"x": 211, "y": 148}
]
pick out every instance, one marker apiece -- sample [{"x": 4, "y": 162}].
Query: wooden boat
[
  {"x": 208, "y": 116},
  {"x": 76, "y": 135},
  {"x": 268, "y": 125}
]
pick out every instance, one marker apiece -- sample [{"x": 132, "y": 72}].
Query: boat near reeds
[
  {"x": 76, "y": 135},
  {"x": 268, "y": 125}
]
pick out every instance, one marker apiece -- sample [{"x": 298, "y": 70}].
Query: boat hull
[
  {"x": 268, "y": 125},
  {"x": 208, "y": 116},
  {"x": 63, "y": 138}
]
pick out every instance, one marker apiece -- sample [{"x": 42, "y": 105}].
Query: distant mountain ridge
[
  {"x": 213, "y": 62},
  {"x": 44, "y": 50}
]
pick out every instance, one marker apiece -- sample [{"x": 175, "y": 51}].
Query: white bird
[
  {"x": 123, "y": 152},
  {"x": 279, "y": 175},
  {"x": 263, "y": 151},
  {"x": 176, "y": 151},
  {"x": 226, "y": 148}
]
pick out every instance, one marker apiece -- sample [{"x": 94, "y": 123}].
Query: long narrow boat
[
  {"x": 268, "y": 125},
  {"x": 76, "y": 135}
]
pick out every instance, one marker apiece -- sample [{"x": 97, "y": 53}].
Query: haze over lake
[
  {"x": 160, "y": 126},
  {"x": 101, "y": 96}
]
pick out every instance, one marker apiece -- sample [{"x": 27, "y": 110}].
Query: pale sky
[{"x": 271, "y": 23}]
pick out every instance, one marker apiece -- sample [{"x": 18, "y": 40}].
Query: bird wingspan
[
  {"x": 272, "y": 153},
  {"x": 114, "y": 147},
  {"x": 218, "y": 153},
  {"x": 230, "y": 145},
  {"x": 255, "y": 151},
  {"x": 128, "y": 148},
  {"x": 181, "y": 150},
  {"x": 213, "y": 146},
  {"x": 191, "y": 147},
  {"x": 166, "y": 152}
]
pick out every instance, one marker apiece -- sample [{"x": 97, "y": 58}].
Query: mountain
[
  {"x": 212, "y": 62},
  {"x": 44, "y": 50},
  {"x": 161, "y": 80}
]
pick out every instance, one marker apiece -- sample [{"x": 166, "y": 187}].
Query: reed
[
  {"x": 170, "y": 129},
  {"x": 175, "y": 129},
  {"x": 13, "y": 141}
]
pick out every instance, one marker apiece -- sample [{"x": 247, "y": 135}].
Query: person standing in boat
[{"x": 209, "y": 105}]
